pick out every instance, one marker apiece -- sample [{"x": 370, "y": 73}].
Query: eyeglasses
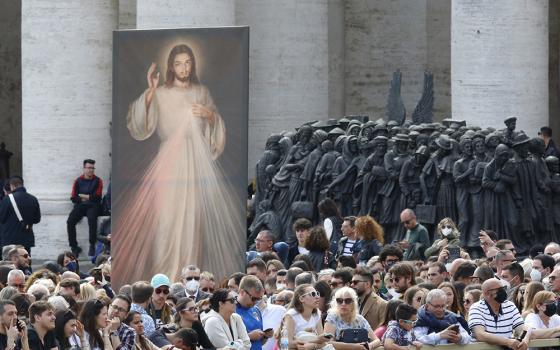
[
  {"x": 356, "y": 282},
  {"x": 25, "y": 256},
  {"x": 314, "y": 294},
  {"x": 409, "y": 321},
  {"x": 231, "y": 300},
  {"x": 253, "y": 299},
  {"x": 521, "y": 292},
  {"x": 118, "y": 308},
  {"x": 441, "y": 306},
  {"x": 262, "y": 240},
  {"x": 346, "y": 301},
  {"x": 207, "y": 289},
  {"x": 391, "y": 261},
  {"x": 162, "y": 290},
  {"x": 89, "y": 167},
  {"x": 192, "y": 278}
]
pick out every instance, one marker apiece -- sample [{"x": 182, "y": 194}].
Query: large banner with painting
[{"x": 180, "y": 118}]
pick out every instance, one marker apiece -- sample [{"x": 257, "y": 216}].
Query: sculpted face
[{"x": 182, "y": 67}]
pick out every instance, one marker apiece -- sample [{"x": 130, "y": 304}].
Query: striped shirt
[
  {"x": 502, "y": 324},
  {"x": 347, "y": 251}
]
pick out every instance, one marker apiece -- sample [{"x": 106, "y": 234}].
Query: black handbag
[{"x": 354, "y": 335}]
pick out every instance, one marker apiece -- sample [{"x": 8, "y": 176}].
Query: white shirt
[
  {"x": 302, "y": 250},
  {"x": 327, "y": 224},
  {"x": 533, "y": 320},
  {"x": 301, "y": 324},
  {"x": 272, "y": 317}
]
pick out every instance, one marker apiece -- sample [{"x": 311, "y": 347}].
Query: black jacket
[{"x": 13, "y": 232}]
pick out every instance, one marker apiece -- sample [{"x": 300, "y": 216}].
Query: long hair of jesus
[{"x": 170, "y": 74}]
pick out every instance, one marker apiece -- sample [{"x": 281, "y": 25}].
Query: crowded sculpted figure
[
  {"x": 372, "y": 176},
  {"x": 498, "y": 181},
  {"x": 393, "y": 201}
]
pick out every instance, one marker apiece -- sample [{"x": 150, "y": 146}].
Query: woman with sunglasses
[
  {"x": 415, "y": 296},
  {"x": 223, "y": 326},
  {"x": 302, "y": 323},
  {"x": 141, "y": 342},
  {"x": 544, "y": 321},
  {"x": 446, "y": 234},
  {"x": 471, "y": 297},
  {"x": 69, "y": 331},
  {"x": 531, "y": 289},
  {"x": 344, "y": 314},
  {"x": 97, "y": 327},
  {"x": 186, "y": 316}
]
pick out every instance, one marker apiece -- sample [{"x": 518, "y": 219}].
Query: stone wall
[
  {"x": 384, "y": 36},
  {"x": 66, "y": 101},
  {"x": 500, "y": 62},
  {"x": 10, "y": 81}
]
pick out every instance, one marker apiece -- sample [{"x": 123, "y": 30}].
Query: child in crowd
[{"x": 399, "y": 335}]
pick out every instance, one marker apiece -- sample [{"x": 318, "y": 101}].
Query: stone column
[
  {"x": 184, "y": 13},
  {"x": 499, "y": 62},
  {"x": 289, "y": 66},
  {"x": 66, "y": 105}
]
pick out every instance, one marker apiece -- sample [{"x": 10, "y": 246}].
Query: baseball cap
[{"x": 160, "y": 280}]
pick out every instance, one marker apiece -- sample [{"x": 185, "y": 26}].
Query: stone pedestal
[
  {"x": 499, "y": 62},
  {"x": 66, "y": 105}
]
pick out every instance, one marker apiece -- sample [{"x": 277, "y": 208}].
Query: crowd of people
[
  {"x": 309, "y": 295},
  {"x": 343, "y": 283}
]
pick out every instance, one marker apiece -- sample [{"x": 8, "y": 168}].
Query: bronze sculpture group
[{"x": 481, "y": 178}]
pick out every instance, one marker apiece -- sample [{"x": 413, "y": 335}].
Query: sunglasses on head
[
  {"x": 346, "y": 301},
  {"x": 162, "y": 290}
]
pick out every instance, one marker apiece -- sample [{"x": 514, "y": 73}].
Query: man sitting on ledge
[{"x": 494, "y": 319}]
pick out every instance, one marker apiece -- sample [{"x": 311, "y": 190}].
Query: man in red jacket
[{"x": 86, "y": 196}]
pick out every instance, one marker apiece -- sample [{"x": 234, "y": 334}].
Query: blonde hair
[
  {"x": 447, "y": 222},
  {"x": 87, "y": 292},
  {"x": 540, "y": 298},
  {"x": 341, "y": 293}
]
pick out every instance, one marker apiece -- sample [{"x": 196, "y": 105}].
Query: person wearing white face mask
[
  {"x": 191, "y": 280},
  {"x": 446, "y": 234},
  {"x": 543, "y": 265}
]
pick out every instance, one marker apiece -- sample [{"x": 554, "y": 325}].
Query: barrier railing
[{"x": 537, "y": 343}]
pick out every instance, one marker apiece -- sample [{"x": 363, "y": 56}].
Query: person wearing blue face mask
[{"x": 68, "y": 261}]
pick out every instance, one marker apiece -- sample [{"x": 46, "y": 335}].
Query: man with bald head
[
  {"x": 494, "y": 319},
  {"x": 416, "y": 239}
]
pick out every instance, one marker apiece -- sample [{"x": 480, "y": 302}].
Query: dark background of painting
[{"x": 222, "y": 59}]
